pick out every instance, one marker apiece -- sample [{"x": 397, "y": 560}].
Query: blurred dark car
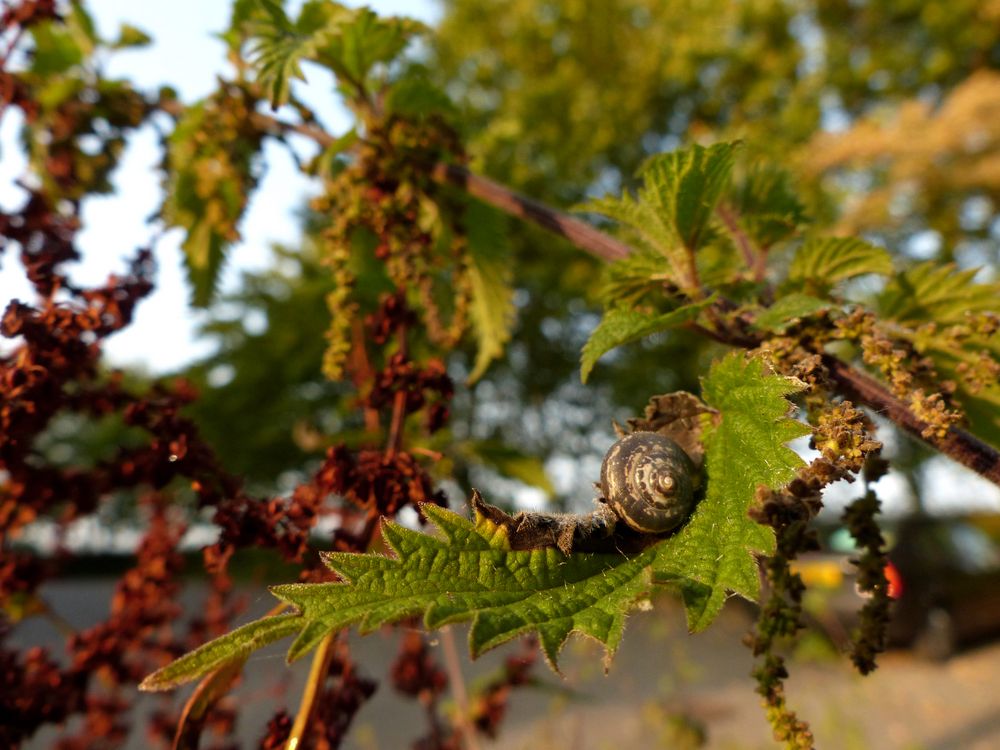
[{"x": 944, "y": 578}]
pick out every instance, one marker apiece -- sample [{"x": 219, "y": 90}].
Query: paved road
[{"x": 660, "y": 674}]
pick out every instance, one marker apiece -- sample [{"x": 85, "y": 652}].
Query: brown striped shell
[{"x": 649, "y": 482}]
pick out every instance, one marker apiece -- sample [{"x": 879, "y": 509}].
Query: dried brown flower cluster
[{"x": 55, "y": 371}]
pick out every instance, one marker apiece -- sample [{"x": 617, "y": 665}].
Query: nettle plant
[{"x": 701, "y": 495}]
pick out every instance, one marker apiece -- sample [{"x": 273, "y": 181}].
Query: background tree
[{"x": 406, "y": 285}]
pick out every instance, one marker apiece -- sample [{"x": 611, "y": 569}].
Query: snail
[{"x": 649, "y": 482}]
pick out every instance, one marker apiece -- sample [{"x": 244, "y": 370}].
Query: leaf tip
[{"x": 153, "y": 684}]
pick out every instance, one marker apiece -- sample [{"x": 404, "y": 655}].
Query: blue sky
[{"x": 185, "y": 55}]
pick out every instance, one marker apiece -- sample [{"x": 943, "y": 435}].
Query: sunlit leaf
[
  {"x": 492, "y": 307},
  {"x": 822, "y": 262},
  {"x": 621, "y": 326},
  {"x": 672, "y": 210}
]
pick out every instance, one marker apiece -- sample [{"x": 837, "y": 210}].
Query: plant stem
[
  {"x": 398, "y": 408},
  {"x": 317, "y": 674},
  {"x": 209, "y": 691},
  {"x": 962, "y": 446},
  {"x": 580, "y": 233},
  {"x": 958, "y": 444},
  {"x": 361, "y": 371},
  {"x": 458, "y": 691}
]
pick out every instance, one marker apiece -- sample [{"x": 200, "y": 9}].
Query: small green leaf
[
  {"x": 229, "y": 647},
  {"x": 621, "y": 326},
  {"x": 349, "y": 42},
  {"x": 768, "y": 208},
  {"x": 366, "y": 41},
  {"x": 821, "y": 262},
  {"x": 931, "y": 292},
  {"x": 626, "y": 282},
  {"x": 745, "y": 449},
  {"x": 671, "y": 213},
  {"x": 130, "y": 37},
  {"x": 278, "y": 46},
  {"x": 492, "y": 308},
  {"x": 789, "y": 310},
  {"x": 686, "y": 185}
]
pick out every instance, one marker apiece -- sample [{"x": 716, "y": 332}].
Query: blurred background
[{"x": 885, "y": 116}]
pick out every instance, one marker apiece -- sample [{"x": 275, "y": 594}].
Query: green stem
[{"x": 317, "y": 674}]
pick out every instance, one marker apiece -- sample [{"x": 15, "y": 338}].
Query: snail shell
[{"x": 649, "y": 482}]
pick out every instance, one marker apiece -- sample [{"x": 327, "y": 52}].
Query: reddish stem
[
  {"x": 398, "y": 408},
  {"x": 957, "y": 444}
]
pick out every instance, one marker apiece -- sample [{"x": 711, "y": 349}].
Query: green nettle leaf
[
  {"x": 745, "y": 449},
  {"x": 472, "y": 574},
  {"x": 672, "y": 210},
  {"x": 822, "y": 262},
  {"x": 789, "y": 310},
  {"x": 621, "y": 325},
  {"x": 207, "y": 185},
  {"x": 234, "y": 645},
  {"x": 367, "y": 41},
  {"x": 686, "y": 186},
  {"x": 279, "y": 46},
  {"x": 769, "y": 209},
  {"x": 627, "y": 281},
  {"x": 350, "y": 42},
  {"x": 931, "y": 292},
  {"x": 938, "y": 300},
  {"x": 492, "y": 304}
]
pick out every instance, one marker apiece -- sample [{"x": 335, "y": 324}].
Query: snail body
[{"x": 649, "y": 482}]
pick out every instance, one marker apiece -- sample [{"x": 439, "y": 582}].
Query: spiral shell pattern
[{"x": 648, "y": 481}]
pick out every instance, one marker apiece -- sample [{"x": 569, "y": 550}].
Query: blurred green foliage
[{"x": 565, "y": 100}]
